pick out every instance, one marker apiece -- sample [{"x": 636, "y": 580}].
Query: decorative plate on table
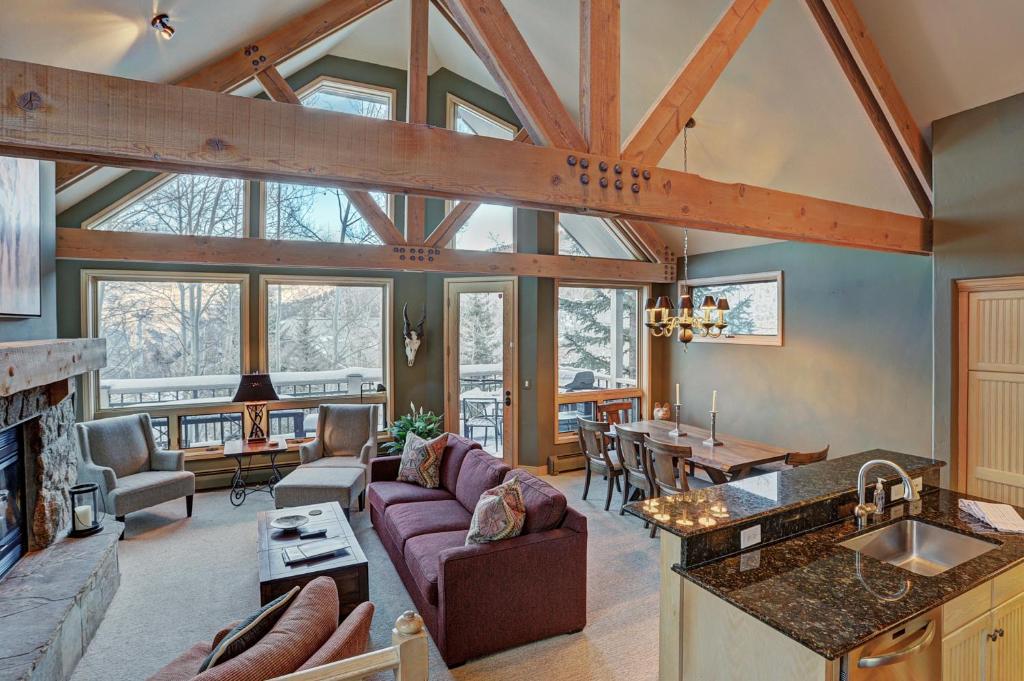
[{"x": 289, "y": 522}]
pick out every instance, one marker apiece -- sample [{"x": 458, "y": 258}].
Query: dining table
[{"x": 734, "y": 459}]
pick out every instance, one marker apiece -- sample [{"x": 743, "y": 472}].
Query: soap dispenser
[{"x": 879, "y": 498}]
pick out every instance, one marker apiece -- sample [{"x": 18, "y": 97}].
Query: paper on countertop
[{"x": 1000, "y": 516}]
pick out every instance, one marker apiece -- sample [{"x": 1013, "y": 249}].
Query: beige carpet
[{"x": 181, "y": 580}]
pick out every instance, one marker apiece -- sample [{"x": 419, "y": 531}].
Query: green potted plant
[{"x": 425, "y": 424}]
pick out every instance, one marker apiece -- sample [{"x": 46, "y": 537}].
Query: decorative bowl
[{"x": 289, "y": 523}]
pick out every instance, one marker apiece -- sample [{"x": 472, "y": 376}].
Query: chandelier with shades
[{"x": 708, "y": 321}]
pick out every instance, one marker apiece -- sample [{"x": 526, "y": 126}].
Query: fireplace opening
[{"x": 13, "y": 537}]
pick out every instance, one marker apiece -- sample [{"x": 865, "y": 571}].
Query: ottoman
[{"x": 305, "y": 485}]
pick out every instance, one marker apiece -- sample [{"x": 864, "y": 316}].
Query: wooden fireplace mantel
[{"x": 32, "y": 364}]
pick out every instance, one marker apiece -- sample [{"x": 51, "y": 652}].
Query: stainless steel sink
[{"x": 919, "y": 547}]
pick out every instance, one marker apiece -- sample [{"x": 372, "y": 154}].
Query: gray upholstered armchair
[
  {"x": 346, "y": 436},
  {"x": 120, "y": 455}
]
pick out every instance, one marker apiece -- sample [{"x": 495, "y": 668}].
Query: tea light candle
[{"x": 83, "y": 517}]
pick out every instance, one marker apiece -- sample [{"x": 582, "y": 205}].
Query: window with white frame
[
  {"x": 326, "y": 336},
  {"x": 600, "y": 351},
  {"x": 592, "y": 237},
  {"x": 195, "y": 205},
  {"x": 313, "y": 213},
  {"x": 490, "y": 227},
  {"x": 755, "y": 306},
  {"x": 172, "y": 339}
]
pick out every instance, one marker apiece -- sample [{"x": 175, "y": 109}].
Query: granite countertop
[
  {"x": 830, "y": 598},
  {"x": 711, "y": 509}
]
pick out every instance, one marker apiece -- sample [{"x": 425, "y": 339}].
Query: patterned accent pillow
[
  {"x": 249, "y": 631},
  {"x": 421, "y": 460},
  {"x": 500, "y": 514}
]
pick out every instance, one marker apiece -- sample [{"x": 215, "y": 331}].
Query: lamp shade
[
  {"x": 664, "y": 303},
  {"x": 709, "y": 303},
  {"x": 723, "y": 304},
  {"x": 255, "y": 388},
  {"x": 685, "y": 302}
]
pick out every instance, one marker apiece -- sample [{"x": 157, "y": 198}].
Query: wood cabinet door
[
  {"x": 1008, "y": 648},
  {"x": 965, "y": 652}
]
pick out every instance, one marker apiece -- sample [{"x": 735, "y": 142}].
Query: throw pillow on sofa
[
  {"x": 421, "y": 460},
  {"x": 499, "y": 514},
  {"x": 249, "y": 631}
]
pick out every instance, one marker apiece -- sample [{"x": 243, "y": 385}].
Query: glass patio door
[{"x": 480, "y": 363}]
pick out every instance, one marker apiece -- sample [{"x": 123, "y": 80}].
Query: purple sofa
[{"x": 482, "y": 598}]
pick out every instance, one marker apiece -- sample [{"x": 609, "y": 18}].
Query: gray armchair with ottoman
[
  {"x": 120, "y": 455},
  {"x": 333, "y": 467}
]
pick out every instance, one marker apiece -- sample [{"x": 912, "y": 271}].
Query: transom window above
[
  {"x": 490, "y": 227},
  {"x": 196, "y": 205},
  {"x": 312, "y": 213},
  {"x": 590, "y": 236}
]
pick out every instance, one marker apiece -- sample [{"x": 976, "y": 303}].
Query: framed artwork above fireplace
[{"x": 19, "y": 238}]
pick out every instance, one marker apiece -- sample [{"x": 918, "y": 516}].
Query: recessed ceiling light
[{"x": 162, "y": 24}]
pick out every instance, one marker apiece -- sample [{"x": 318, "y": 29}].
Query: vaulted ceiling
[{"x": 782, "y": 114}]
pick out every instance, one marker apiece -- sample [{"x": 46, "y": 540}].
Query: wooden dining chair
[
  {"x": 666, "y": 465},
  {"x": 597, "y": 456},
  {"x": 793, "y": 460},
  {"x": 614, "y": 412},
  {"x": 629, "y": 444}
]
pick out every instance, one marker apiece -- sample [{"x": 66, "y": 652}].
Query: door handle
[{"x": 508, "y": 398}]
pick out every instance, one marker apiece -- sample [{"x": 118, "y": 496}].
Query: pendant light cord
[{"x": 686, "y": 231}]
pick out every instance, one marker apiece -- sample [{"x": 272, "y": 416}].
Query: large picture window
[
  {"x": 312, "y": 213},
  {"x": 490, "y": 227},
  {"x": 171, "y": 339},
  {"x": 194, "y": 205},
  {"x": 599, "y": 353},
  {"x": 755, "y": 306},
  {"x": 326, "y": 337}
]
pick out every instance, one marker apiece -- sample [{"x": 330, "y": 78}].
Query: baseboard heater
[{"x": 560, "y": 463}]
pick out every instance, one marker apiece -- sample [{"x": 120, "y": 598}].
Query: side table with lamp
[{"x": 254, "y": 390}]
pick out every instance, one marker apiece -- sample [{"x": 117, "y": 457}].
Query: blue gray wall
[
  {"x": 44, "y": 326},
  {"x": 978, "y": 169},
  {"x": 855, "y": 367}
]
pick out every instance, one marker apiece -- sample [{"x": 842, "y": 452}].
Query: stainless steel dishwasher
[{"x": 910, "y": 652}]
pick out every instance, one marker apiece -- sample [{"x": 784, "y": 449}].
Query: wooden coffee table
[{"x": 348, "y": 568}]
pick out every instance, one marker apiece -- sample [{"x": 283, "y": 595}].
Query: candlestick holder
[
  {"x": 713, "y": 441},
  {"x": 678, "y": 430}
]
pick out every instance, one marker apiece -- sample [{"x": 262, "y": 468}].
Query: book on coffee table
[{"x": 312, "y": 551}]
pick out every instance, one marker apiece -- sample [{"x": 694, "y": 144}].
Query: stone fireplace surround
[{"x": 53, "y": 599}]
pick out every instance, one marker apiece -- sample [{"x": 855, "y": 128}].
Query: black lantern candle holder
[{"x": 85, "y": 510}]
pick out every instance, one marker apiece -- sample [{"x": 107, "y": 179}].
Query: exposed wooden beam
[
  {"x": 246, "y": 61},
  {"x": 664, "y": 121},
  {"x": 600, "y": 108},
  {"x": 872, "y": 106},
  {"x": 88, "y": 244},
  {"x": 442, "y": 7},
  {"x": 496, "y": 40},
  {"x": 278, "y": 89},
  {"x": 54, "y": 113},
  {"x": 416, "y": 206},
  {"x": 870, "y": 60},
  {"x": 646, "y": 236}
]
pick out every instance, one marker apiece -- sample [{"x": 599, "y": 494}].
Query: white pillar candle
[
  {"x": 714, "y": 400},
  {"x": 677, "y": 393},
  {"x": 83, "y": 517}
]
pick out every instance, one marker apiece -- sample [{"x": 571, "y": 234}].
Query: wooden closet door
[{"x": 995, "y": 406}]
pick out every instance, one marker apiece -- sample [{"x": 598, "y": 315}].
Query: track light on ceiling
[{"x": 161, "y": 23}]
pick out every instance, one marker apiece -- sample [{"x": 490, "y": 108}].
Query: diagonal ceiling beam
[
  {"x": 61, "y": 114},
  {"x": 503, "y": 50},
  {"x": 861, "y": 52},
  {"x": 278, "y": 89},
  {"x": 600, "y": 107},
  {"x": 246, "y": 61},
  {"x": 664, "y": 121}
]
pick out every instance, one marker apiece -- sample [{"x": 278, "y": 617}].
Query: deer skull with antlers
[{"x": 413, "y": 334}]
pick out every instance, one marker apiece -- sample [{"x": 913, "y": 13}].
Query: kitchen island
[{"x": 755, "y": 583}]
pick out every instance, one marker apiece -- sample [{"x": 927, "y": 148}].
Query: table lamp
[{"x": 255, "y": 390}]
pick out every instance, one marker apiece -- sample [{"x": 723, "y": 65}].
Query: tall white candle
[
  {"x": 677, "y": 393},
  {"x": 83, "y": 517},
  {"x": 714, "y": 400}
]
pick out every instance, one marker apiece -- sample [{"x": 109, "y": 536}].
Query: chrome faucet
[{"x": 865, "y": 509}]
